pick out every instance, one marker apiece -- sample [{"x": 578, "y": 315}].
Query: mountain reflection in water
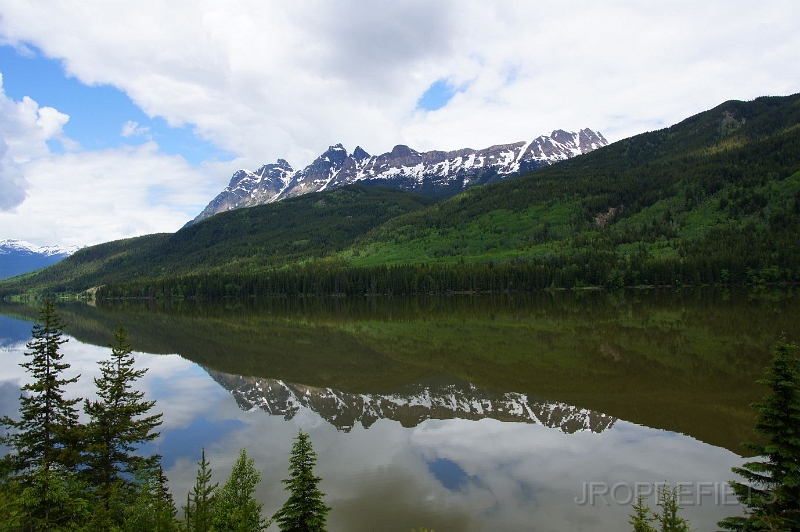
[{"x": 410, "y": 406}]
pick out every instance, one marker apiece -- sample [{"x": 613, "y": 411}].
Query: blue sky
[
  {"x": 123, "y": 120},
  {"x": 437, "y": 95},
  {"x": 98, "y": 113}
]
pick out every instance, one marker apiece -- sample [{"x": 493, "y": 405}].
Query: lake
[{"x": 465, "y": 413}]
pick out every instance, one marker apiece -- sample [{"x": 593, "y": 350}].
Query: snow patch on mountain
[
  {"x": 435, "y": 173},
  {"x": 18, "y": 256},
  {"x": 9, "y": 246}
]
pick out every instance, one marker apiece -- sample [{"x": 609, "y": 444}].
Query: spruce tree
[
  {"x": 46, "y": 434},
  {"x": 118, "y": 424},
  {"x": 44, "y": 442},
  {"x": 771, "y": 491},
  {"x": 235, "y": 509},
  {"x": 200, "y": 501},
  {"x": 668, "y": 519},
  {"x": 153, "y": 509},
  {"x": 640, "y": 518},
  {"x": 304, "y": 511}
]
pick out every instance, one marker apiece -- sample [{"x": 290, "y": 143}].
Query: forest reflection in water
[{"x": 459, "y": 413}]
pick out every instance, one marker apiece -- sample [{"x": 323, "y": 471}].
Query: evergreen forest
[{"x": 714, "y": 199}]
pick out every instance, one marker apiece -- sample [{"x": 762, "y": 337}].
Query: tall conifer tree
[
  {"x": 304, "y": 511},
  {"x": 200, "y": 502},
  {"x": 118, "y": 424},
  {"x": 153, "y": 509},
  {"x": 771, "y": 491},
  {"x": 45, "y": 439},
  {"x": 45, "y": 436}
]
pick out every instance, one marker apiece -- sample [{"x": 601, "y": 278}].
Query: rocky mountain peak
[
  {"x": 359, "y": 154},
  {"x": 436, "y": 173},
  {"x": 401, "y": 150}
]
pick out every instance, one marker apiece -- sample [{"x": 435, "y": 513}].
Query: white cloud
[
  {"x": 132, "y": 128},
  {"x": 25, "y": 129},
  {"x": 91, "y": 197},
  {"x": 264, "y": 80},
  {"x": 268, "y": 80}
]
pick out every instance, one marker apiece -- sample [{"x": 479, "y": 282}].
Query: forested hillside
[
  {"x": 713, "y": 199},
  {"x": 719, "y": 191},
  {"x": 243, "y": 241}
]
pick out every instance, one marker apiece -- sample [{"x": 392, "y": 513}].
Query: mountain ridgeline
[
  {"x": 18, "y": 256},
  {"x": 434, "y": 173},
  {"x": 714, "y": 199}
]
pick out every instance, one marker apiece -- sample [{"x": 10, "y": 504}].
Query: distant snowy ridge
[
  {"x": 8, "y": 246},
  {"x": 18, "y": 257},
  {"x": 409, "y": 406},
  {"x": 435, "y": 173}
]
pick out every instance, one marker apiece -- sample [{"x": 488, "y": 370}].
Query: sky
[{"x": 126, "y": 118}]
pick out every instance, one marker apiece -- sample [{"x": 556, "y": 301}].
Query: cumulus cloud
[
  {"x": 268, "y": 80},
  {"x": 73, "y": 197},
  {"x": 90, "y": 197},
  {"x": 25, "y": 129}
]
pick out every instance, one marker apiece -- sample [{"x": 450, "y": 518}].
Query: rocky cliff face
[
  {"x": 435, "y": 173},
  {"x": 409, "y": 406}
]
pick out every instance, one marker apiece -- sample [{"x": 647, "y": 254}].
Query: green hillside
[
  {"x": 242, "y": 241},
  {"x": 713, "y": 199},
  {"x": 719, "y": 190}
]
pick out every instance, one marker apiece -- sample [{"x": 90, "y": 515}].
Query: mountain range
[
  {"x": 713, "y": 199},
  {"x": 409, "y": 406},
  {"x": 434, "y": 173},
  {"x": 19, "y": 256}
]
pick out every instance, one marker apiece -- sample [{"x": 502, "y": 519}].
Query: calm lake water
[{"x": 508, "y": 413}]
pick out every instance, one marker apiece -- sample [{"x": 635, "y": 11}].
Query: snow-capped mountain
[
  {"x": 409, "y": 406},
  {"x": 18, "y": 256},
  {"x": 436, "y": 173}
]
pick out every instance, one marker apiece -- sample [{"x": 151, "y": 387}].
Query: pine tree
[
  {"x": 118, "y": 425},
  {"x": 771, "y": 492},
  {"x": 235, "y": 509},
  {"x": 45, "y": 436},
  {"x": 45, "y": 440},
  {"x": 153, "y": 509},
  {"x": 640, "y": 518},
  {"x": 304, "y": 511},
  {"x": 200, "y": 502},
  {"x": 668, "y": 519}
]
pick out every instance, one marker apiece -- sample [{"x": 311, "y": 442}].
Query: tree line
[
  {"x": 586, "y": 267},
  {"x": 62, "y": 474}
]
